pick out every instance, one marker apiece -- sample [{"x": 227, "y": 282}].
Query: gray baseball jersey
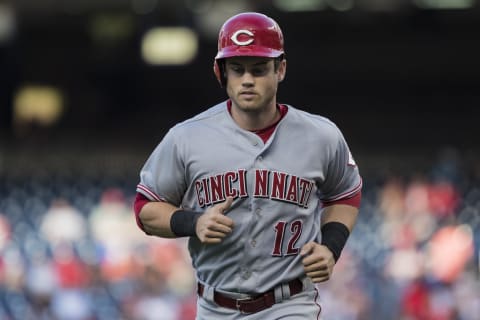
[{"x": 278, "y": 186}]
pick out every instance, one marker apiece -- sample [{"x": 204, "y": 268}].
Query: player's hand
[
  {"x": 318, "y": 261},
  {"x": 213, "y": 225}
]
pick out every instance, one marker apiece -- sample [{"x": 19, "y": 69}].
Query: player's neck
[{"x": 254, "y": 120}]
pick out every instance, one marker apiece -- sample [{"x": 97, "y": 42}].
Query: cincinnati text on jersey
[{"x": 274, "y": 185}]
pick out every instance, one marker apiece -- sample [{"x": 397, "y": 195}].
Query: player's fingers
[
  {"x": 211, "y": 237},
  {"x": 215, "y": 234},
  {"x": 224, "y": 206},
  {"x": 222, "y": 228},
  {"x": 312, "y": 259},
  {"x": 224, "y": 220},
  {"x": 212, "y": 221},
  {"x": 318, "y": 273},
  {"x": 316, "y": 267},
  {"x": 307, "y": 248}
]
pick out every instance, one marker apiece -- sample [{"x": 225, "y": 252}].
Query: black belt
[{"x": 254, "y": 304}]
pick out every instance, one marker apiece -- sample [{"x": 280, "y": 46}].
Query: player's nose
[{"x": 248, "y": 79}]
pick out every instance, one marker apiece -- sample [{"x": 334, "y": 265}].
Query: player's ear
[
  {"x": 282, "y": 70},
  {"x": 220, "y": 73}
]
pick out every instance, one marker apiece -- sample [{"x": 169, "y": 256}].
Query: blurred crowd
[
  {"x": 70, "y": 250},
  {"x": 414, "y": 254}
]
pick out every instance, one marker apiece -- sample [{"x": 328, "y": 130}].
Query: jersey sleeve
[
  {"x": 342, "y": 180},
  {"x": 162, "y": 177}
]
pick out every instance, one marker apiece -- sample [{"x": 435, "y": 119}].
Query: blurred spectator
[
  {"x": 417, "y": 196},
  {"x": 41, "y": 283},
  {"x": 71, "y": 272},
  {"x": 113, "y": 228},
  {"x": 415, "y": 301},
  {"x": 450, "y": 249},
  {"x": 154, "y": 298},
  {"x": 171, "y": 259},
  {"x": 72, "y": 305},
  {"x": 466, "y": 291},
  {"x": 168, "y": 260},
  {"x": 63, "y": 223},
  {"x": 344, "y": 296},
  {"x": 391, "y": 199},
  {"x": 443, "y": 198}
]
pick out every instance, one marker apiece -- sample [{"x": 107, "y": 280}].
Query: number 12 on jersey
[{"x": 292, "y": 232}]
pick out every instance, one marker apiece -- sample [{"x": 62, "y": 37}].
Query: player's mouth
[{"x": 247, "y": 94}]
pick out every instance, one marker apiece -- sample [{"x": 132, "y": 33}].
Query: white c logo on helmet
[{"x": 235, "y": 40}]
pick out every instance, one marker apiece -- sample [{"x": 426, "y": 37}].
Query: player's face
[{"x": 252, "y": 82}]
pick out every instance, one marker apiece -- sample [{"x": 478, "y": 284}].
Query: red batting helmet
[{"x": 248, "y": 34}]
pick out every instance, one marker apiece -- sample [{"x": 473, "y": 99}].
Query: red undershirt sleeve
[
  {"x": 139, "y": 202},
  {"x": 353, "y": 201}
]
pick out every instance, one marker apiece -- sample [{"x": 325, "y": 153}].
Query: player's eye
[
  {"x": 237, "y": 69},
  {"x": 259, "y": 71}
]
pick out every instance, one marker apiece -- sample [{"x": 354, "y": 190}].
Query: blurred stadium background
[{"x": 89, "y": 87}]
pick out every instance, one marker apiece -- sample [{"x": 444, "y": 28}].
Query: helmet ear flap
[{"x": 219, "y": 71}]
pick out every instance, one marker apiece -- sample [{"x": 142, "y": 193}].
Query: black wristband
[
  {"x": 334, "y": 237},
  {"x": 183, "y": 223}
]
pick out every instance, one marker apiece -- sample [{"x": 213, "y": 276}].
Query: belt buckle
[{"x": 238, "y": 306}]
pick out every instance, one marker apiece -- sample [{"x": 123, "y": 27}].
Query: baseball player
[{"x": 267, "y": 194}]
